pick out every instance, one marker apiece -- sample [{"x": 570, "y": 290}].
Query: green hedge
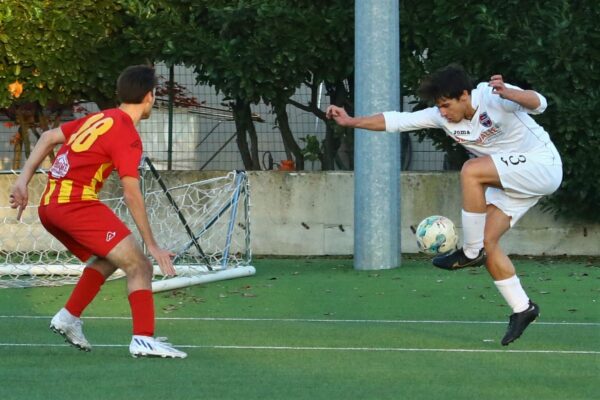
[{"x": 551, "y": 46}]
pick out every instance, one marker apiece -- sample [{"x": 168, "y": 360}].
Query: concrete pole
[{"x": 376, "y": 154}]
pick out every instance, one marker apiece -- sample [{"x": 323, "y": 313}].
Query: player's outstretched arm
[
  {"x": 340, "y": 116},
  {"x": 135, "y": 203},
  {"x": 19, "y": 195},
  {"x": 528, "y": 99}
]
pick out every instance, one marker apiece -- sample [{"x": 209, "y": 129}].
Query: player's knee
[
  {"x": 145, "y": 266},
  {"x": 468, "y": 173},
  {"x": 140, "y": 275},
  {"x": 490, "y": 244},
  {"x": 139, "y": 265},
  {"x": 468, "y": 170}
]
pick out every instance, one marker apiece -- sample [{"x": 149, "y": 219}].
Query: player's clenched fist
[
  {"x": 339, "y": 115},
  {"x": 497, "y": 84}
]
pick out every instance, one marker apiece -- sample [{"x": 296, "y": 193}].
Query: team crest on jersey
[
  {"x": 60, "y": 167},
  {"x": 485, "y": 120}
]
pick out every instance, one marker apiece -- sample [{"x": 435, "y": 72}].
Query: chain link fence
[{"x": 197, "y": 131}]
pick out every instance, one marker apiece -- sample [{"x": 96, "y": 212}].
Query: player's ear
[{"x": 149, "y": 97}]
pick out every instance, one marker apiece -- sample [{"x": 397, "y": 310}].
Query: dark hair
[
  {"x": 448, "y": 82},
  {"x": 134, "y": 83}
]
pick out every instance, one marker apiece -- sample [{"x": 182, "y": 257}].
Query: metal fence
[{"x": 201, "y": 136}]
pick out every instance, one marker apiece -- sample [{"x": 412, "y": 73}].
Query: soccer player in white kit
[{"x": 516, "y": 164}]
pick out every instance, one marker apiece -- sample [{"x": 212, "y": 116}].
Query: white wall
[{"x": 312, "y": 214}]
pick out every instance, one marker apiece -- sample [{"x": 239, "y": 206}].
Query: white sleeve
[
  {"x": 511, "y": 106},
  {"x": 542, "y": 107},
  {"x": 409, "y": 121}
]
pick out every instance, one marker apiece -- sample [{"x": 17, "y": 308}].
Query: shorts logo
[
  {"x": 110, "y": 236},
  {"x": 485, "y": 120}
]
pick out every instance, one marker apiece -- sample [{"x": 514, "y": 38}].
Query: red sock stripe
[
  {"x": 85, "y": 291},
  {"x": 142, "y": 312}
]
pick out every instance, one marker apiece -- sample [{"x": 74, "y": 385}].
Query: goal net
[{"x": 205, "y": 223}]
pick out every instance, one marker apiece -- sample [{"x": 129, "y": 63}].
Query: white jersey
[{"x": 498, "y": 125}]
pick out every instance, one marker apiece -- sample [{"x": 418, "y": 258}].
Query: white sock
[
  {"x": 473, "y": 225},
  {"x": 513, "y": 293},
  {"x": 66, "y": 315}
]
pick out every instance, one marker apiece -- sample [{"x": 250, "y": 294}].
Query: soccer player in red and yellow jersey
[{"x": 92, "y": 147}]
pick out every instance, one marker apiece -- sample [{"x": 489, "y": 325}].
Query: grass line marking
[
  {"x": 325, "y": 348},
  {"x": 362, "y": 321}
]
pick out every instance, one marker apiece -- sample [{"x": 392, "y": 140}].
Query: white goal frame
[{"x": 213, "y": 245}]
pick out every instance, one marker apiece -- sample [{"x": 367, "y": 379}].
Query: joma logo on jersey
[{"x": 458, "y": 133}]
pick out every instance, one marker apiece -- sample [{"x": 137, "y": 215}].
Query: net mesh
[{"x": 205, "y": 223}]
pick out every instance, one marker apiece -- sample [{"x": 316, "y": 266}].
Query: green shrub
[{"x": 552, "y": 47}]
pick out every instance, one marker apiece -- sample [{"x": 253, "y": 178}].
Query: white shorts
[{"x": 525, "y": 178}]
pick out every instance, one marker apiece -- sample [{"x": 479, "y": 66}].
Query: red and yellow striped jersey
[{"x": 94, "y": 146}]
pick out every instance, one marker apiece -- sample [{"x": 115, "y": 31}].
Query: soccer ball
[{"x": 436, "y": 235}]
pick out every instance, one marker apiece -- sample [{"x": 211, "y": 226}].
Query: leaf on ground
[{"x": 169, "y": 308}]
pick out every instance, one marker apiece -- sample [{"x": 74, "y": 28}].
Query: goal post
[{"x": 206, "y": 223}]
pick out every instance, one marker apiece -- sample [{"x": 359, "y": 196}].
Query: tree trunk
[
  {"x": 286, "y": 134},
  {"x": 342, "y": 138},
  {"x": 240, "y": 127},
  {"x": 253, "y": 140},
  {"x": 44, "y": 125},
  {"x": 242, "y": 115},
  {"x": 19, "y": 139}
]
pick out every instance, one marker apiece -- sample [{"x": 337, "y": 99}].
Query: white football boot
[
  {"x": 147, "y": 346},
  {"x": 70, "y": 327}
]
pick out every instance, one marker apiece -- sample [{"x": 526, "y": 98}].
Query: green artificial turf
[{"x": 318, "y": 329}]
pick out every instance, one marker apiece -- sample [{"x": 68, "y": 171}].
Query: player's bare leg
[
  {"x": 128, "y": 256},
  {"x": 505, "y": 278},
  {"x": 476, "y": 175},
  {"x": 498, "y": 264},
  {"x": 102, "y": 265}
]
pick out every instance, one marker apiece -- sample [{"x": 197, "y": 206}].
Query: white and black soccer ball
[{"x": 436, "y": 235}]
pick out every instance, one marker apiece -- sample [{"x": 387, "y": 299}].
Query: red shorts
[{"x": 86, "y": 228}]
